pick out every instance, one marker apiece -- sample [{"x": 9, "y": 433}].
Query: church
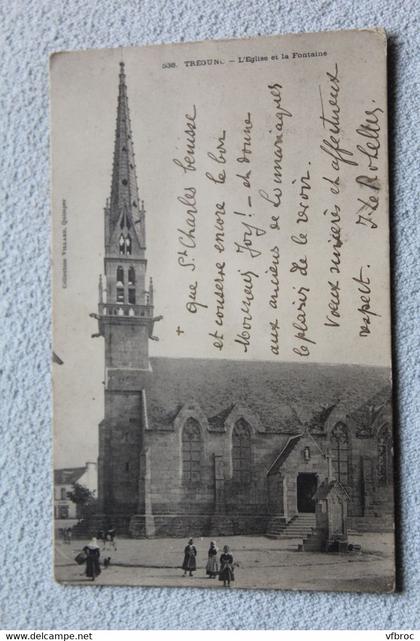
[{"x": 206, "y": 447}]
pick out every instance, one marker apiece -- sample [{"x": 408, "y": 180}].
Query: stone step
[
  {"x": 304, "y": 521},
  {"x": 285, "y": 537},
  {"x": 298, "y": 527},
  {"x": 295, "y": 533},
  {"x": 293, "y": 526}
]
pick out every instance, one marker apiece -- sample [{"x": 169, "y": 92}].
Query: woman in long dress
[
  {"x": 189, "y": 564},
  {"x": 92, "y": 559},
  {"x": 226, "y": 573},
  {"x": 212, "y": 567}
]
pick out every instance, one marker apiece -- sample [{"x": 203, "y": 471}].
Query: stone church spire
[
  {"x": 126, "y": 322},
  {"x": 123, "y": 296},
  {"x": 124, "y": 205}
]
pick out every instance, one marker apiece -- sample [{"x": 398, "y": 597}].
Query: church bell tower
[{"x": 125, "y": 319}]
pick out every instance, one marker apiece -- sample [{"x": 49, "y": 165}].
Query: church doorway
[{"x": 307, "y": 484}]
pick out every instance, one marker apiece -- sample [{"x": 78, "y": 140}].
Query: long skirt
[
  {"x": 226, "y": 573},
  {"x": 212, "y": 567},
  {"x": 92, "y": 567},
  {"x": 189, "y": 562}
]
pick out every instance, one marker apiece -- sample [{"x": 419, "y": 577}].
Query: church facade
[{"x": 212, "y": 447}]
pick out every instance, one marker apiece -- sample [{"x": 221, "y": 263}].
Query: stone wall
[
  {"x": 154, "y": 496},
  {"x": 184, "y": 525},
  {"x": 120, "y": 447},
  {"x": 171, "y": 492},
  {"x": 126, "y": 344}
]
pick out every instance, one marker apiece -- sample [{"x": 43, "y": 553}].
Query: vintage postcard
[{"x": 222, "y": 347}]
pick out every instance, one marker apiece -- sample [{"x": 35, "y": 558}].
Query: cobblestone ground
[{"x": 261, "y": 563}]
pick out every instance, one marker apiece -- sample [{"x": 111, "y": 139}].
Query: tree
[{"x": 84, "y": 499}]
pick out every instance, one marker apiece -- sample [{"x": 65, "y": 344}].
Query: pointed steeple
[{"x": 124, "y": 189}]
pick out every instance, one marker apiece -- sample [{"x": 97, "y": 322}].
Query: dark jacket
[{"x": 189, "y": 563}]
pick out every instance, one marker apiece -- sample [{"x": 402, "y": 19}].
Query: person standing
[
  {"x": 226, "y": 573},
  {"x": 212, "y": 567},
  {"x": 190, "y": 553},
  {"x": 92, "y": 559},
  {"x": 110, "y": 537}
]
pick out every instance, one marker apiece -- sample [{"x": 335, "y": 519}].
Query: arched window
[
  {"x": 128, "y": 245},
  {"x": 120, "y": 277},
  {"x": 384, "y": 468},
  {"x": 122, "y": 245},
  {"x": 120, "y": 294},
  {"x": 241, "y": 452},
  {"x": 340, "y": 452},
  {"x": 191, "y": 451},
  {"x": 131, "y": 276}
]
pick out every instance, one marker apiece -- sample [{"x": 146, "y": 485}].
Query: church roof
[
  {"x": 279, "y": 460},
  {"x": 68, "y": 475},
  {"x": 325, "y": 489},
  {"x": 217, "y": 422},
  {"x": 365, "y": 414},
  {"x": 285, "y": 396}
]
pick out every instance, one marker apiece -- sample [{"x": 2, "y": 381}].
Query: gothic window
[
  {"x": 191, "y": 451},
  {"x": 384, "y": 468},
  {"x": 132, "y": 296},
  {"x": 120, "y": 277},
  {"x": 241, "y": 452},
  {"x": 128, "y": 245},
  {"x": 340, "y": 452},
  {"x": 131, "y": 276},
  {"x": 122, "y": 245},
  {"x": 120, "y": 294}
]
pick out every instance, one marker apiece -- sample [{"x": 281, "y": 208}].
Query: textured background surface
[{"x": 29, "y": 29}]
